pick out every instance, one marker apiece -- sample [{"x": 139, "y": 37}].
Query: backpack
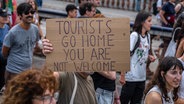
[{"x": 137, "y": 44}]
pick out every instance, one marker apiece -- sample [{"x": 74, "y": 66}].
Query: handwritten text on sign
[{"x": 89, "y": 44}]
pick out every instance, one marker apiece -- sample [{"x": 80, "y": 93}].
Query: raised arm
[
  {"x": 109, "y": 74},
  {"x": 47, "y": 46},
  {"x": 180, "y": 49}
]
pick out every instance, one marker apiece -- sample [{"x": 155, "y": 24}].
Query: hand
[
  {"x": 122, "y": 79},
  {"x": 167, "y": 25},
  {"x": 47, "y": 46},
  {"x": 151, "y": 58},
  {"x": 117, "y": 101}
]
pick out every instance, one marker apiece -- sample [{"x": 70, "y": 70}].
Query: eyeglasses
[
  {"x": 47, "y": 98},
  {"x": 31, "y": 11}
]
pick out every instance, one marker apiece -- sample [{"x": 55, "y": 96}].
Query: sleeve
[
  {"x": 36, "y": 30},
  {"x": 133, "y": 40},
  {"x": 62, "y": 79},
  {"x": 149, "y": 41},
  {"x": 8, "y": 40},
  {"x": 37, "y": 34},
  {"x": 164, "y": 7}
]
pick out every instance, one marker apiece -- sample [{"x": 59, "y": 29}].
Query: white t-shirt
[
  {"x": 159, "y": 3},
  {"x": 139, "y": 59}
]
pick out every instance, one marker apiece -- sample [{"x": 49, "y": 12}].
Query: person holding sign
[
  {"x": 104, "y": 83},
  {"x": 134, "y": 80},
  {"x": 19, "y": 43},
  {"x": 74, "y": 87}
]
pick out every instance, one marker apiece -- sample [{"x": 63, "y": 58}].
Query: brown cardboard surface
[{"x": 89, "y": 44}]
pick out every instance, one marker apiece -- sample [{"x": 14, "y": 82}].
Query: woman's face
[
  {"x": 173, "y": 77},
  {"x": 31, "y": 2},
  {"x": 147, "y": 24},
  {"x": 47, "y": 98}
]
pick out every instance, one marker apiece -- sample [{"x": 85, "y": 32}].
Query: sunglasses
[{"x": 31, "y": 11}]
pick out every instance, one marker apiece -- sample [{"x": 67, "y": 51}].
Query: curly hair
[
  {"x": 166, "y": 64},
  {"x": 22, "y": 88}
]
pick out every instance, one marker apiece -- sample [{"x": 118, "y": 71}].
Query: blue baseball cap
[{"x": 3, "y": 13}]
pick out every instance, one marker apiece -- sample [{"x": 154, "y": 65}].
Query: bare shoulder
[
  {"x": 56, "y": 74},
  {"x": 153, "y": 98}
]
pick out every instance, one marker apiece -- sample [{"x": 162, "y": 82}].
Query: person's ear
[{"x": 162, "y": 73}]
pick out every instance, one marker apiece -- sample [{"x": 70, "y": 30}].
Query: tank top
[{"x": 169, "y": 94}]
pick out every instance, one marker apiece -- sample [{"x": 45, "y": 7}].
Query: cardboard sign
[{"x": 89, "y": 44}]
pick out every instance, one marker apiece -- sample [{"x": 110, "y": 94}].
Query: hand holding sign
[{"x": 90, "y": 44}]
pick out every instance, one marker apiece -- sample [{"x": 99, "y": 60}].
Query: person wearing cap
[
  {"x": 4, "y": 28},
  {"x": 19, "y": 43},
  {"x": 71, "y": 11}
]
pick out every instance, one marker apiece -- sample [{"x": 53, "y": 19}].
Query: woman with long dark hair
[
  {"x": 163, "y": 87},
  {"x": 134, "y": 80}
]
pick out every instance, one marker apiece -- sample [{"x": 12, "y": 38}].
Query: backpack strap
[
  {"x": 173, "y": 35},
  {"x": 136, "y": 46},
  {"x": 149, "y": 42},
  {"x": 74, "y": 90},
  {"x": 138, "y": 43}
]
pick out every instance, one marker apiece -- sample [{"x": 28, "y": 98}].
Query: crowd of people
[
  {"x": 23, "y": 84},
  {"x": 134, "y": 5}
]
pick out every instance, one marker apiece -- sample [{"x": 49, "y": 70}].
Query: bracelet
[{"x": 116, "y": 99}]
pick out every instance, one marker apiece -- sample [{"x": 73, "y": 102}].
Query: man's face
[
  {"x": 3, "y": 20},
  {"x": 27, "y": 17},
  {"x": 73, "y": 13},
  {"x": 91, "y": 13}
]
